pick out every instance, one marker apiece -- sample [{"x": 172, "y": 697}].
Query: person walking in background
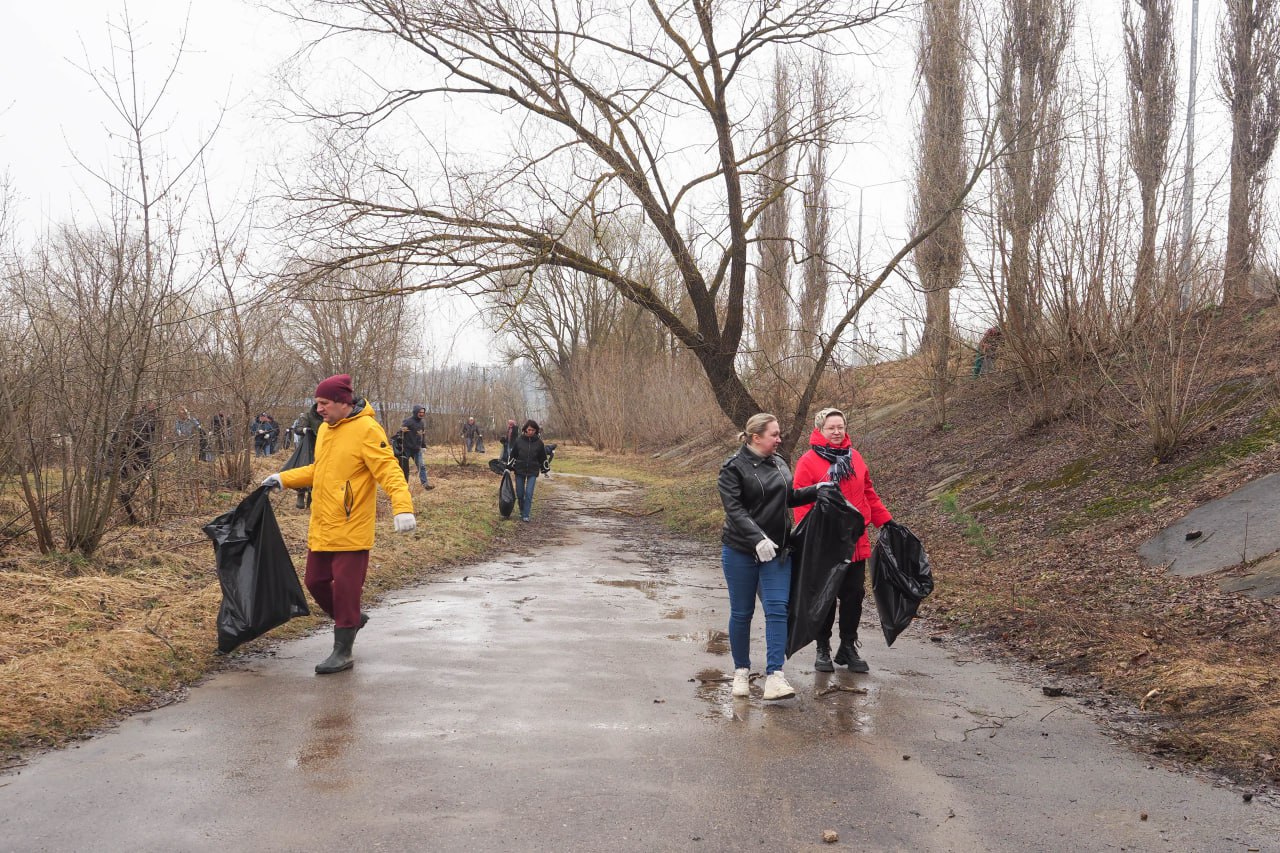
[
  {"x": 473, "y": 436},
  {"x": 528, "y": 457},
  {"x": 186, "y": 430},
  {"x": 413, "y": 432},
  {"x": 273, "y": 435},
  {"x": 831, "y": 458},
  {"x": 353, "y": 458},
  {"x": 508, "y": 441},
  {"x": 755, "y": 489},
  {"x": 304, "y": 429},
  {"x": 261, "y": 430}
]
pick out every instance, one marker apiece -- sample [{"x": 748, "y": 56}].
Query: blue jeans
[
  {"x": 746, "y": 578},
  {"x": 524, "y": 493},
  {"x": 422, "y": 469}
]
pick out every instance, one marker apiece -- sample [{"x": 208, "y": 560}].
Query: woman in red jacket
[{"x": 832, "y": 458}]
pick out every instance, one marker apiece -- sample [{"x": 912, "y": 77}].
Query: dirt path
[{"x": 569, "y": 697}]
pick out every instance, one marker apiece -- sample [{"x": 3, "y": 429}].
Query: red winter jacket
[{"x": 858, "y": 488}]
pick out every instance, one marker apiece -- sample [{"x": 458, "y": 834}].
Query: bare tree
[
  {"x": 815, "y": 265},
  {"x": 940, "y": 179},
  {"x": 239, "y": 337},
  {"x": 1248, "y": 54},
  {"x": 1029, "y": 117},
  {"x": 1152, "y": 71},
  {"x": 773, "y": 183},
  {"x": 356, "y": 321},
  {"x": 597, "y": 88}
]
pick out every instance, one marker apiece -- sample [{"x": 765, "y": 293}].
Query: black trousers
[{"x": 852, "y": 590}]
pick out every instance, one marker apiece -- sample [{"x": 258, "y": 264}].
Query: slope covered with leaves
[{"x": 1033, "y": 528}]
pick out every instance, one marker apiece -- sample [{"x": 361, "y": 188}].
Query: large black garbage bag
[
  {"x": 497, "y": 466},
  {"x": 900, "y": 578},
  {"x": 823, "y": 548},
  {"x": 506, "y": 495},
  {"x": 260, "y": 589},
  {"x": 304, "y": 453}
]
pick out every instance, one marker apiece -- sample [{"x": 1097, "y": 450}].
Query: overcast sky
[{"x": 50, "y": 113}]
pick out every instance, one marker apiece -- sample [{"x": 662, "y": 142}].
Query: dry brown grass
[{"x": 82, "y": 642}]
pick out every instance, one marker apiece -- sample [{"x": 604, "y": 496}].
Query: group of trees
[
  {"x": 121, "y": 320},
  {"x": 666, "y": 201},
  {"x": 659, "y": 239}
]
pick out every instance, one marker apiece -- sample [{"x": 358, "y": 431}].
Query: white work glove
[
  {"x": 405, "y": 521},
  {"x": 273, "y": 482},
  {"x": 766, "y": 550}
]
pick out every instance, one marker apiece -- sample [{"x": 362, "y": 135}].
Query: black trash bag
[
  {"x": 506, "y": 495},
  {"x": 900, "y": 578},
  {"x": 260, "y": 588},
  {"x": 497, "y": 466},
  {"x": 822, "y": 548}
]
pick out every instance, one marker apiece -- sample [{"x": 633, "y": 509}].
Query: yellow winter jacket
[{"x": 353, "y": 457}]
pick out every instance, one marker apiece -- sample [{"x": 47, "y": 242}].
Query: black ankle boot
[
  {"x": 302, "y": 501},
  {"x": 340, "y": 658},
  {"x": 822, "y": 663},
  {"x": 847, "y": 655}
]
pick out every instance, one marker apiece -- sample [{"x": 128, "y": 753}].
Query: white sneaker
[
  {"x": 741, "y": 683},
  {"x": 776, "y": 686}
]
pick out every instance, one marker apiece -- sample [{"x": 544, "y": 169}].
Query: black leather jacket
[
  {"x": 528, "y": 455},
  {"x": 757, "y": 496}
]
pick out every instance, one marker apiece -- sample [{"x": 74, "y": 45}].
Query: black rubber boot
[
  {"x": 302, "y": 500},
  {"x": 822, "y": 663},
  {"x": 364, "y": 620},
  {"x": 340, "y": 658},
  {"x": 847, "y": 655}
]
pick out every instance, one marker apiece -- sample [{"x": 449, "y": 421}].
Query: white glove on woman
[
  {"x": 273, "y": 482},
  {"x": 405, "y": 521},
  {"x": 766, "y": 550}
]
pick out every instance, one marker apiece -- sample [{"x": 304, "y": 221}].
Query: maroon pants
[{"x": 336, "y": 579}]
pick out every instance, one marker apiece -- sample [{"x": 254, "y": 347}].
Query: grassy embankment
[{"x": 84, "y": 640}]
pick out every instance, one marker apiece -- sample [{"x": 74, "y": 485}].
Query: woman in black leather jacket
[{"x": 755, "y": 488}]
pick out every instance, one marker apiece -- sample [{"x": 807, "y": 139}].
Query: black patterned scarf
[{"x": 840, "y": 460}]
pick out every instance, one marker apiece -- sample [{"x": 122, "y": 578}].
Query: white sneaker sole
[{"x": 768, "y": 697}]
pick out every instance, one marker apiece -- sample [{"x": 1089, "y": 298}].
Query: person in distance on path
[
  {"x": 353, "y": 458},
  {"x": 755, "y": 488},
  {"x": 831, "y": 458}
]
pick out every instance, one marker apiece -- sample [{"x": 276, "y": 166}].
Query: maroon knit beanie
[{"x": 336, "y": 388}]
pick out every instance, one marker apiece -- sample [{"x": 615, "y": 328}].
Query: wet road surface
[{"x": 574, "y": 696}]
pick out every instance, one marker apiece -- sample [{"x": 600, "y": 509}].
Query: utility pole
[{"x": 1189, "y": 170}]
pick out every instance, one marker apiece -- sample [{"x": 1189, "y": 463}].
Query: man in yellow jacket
[{"x": 353, "y": 457}]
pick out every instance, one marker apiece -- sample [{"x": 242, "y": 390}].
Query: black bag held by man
[
  {"x": 900, "y": 578},
  {"x": 506, "y": 495},
  {"x": 825, "y": 538},
  {"x": 260, "y": 588}
]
